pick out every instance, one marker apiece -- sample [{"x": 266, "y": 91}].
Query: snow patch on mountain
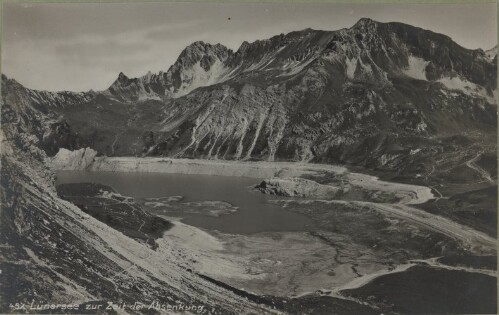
[
  {"x": 469, "y": 88},
  {"x": 197, "y": 77},
  {"x": 351, "y": 66},
  {"x": 416, "y": 68},
  {"x": 457, "y": 83}
]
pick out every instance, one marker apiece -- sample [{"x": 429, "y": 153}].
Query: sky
[{"x": 78, "y": 47}]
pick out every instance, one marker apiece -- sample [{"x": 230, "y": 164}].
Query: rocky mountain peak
[
  {"x": 200, "y": 50},
  {"x": 122, "y": 76},
  {"x": 365, "y": 23},
  {"x": 491, "y": 53},
  {"x": 122, "y": 79}
]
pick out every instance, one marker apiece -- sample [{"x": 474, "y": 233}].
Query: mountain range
[{"x": 369, "y": 52}]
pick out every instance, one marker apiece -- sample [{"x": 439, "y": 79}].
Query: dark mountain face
[{"x": 378, "y": 95}]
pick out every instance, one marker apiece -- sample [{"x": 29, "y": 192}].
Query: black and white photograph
[{"x": 248, "y": 158}]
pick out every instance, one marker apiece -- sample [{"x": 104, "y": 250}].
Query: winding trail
[
  {"x": 368, "y": 278},
  {"x": 483, "y": 173},
  {"x": 433, "y": 262}
]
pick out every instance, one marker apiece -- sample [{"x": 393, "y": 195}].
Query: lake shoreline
[
  {"x": 86, "y": 159},
  {"x": 79, "y": 160}
]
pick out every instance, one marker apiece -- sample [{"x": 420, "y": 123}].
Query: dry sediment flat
[{"x": 272, "y": 263}]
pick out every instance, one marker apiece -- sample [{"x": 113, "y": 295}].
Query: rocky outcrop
[
  {"x": 60, "y": 135},
  {"x": 345, "y": 186},
  {"x": 296, "y": 187},
  {"x": 73, "y": 160}
]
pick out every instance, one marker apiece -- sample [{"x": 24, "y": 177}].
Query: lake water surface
[{"x": 255, "y": 213}]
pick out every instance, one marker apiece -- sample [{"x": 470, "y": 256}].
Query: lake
[{"x": 255, "y": 213}]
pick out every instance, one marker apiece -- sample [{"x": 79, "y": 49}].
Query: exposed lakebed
[{"x": 247, "y": 211}]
